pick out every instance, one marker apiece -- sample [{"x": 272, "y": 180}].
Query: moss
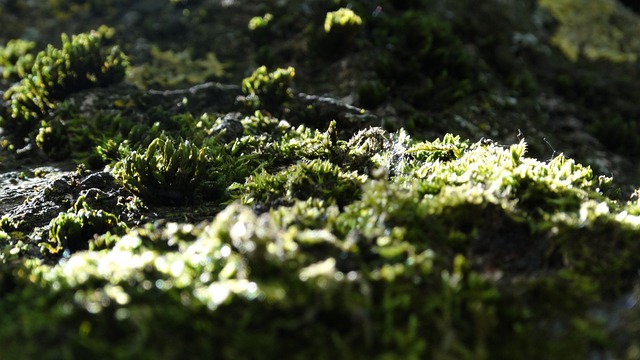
[
  {"x": 268, "y": 90},
  {"x": 372, "y": 93},
  {"x": 595, "y": 30},
  {"x": 348, "y": 241},
  {"x": 83, "y": 61},
  {"x": 79, "y": 228},
  {"x": 16, "y": 59},
  {"x": 167, "y": 171},
  {"x": 340, "y": 19},
  {"x": 169, "y": 69},
  {"x": 318, "y": 179},
  {"x": 421, "y": 60},
  {"x": 341, "y": 29},
  {"x": 445, "y": 237}
]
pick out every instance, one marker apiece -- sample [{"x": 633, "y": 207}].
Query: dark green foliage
[
  {"x": 83, "y": 61},
  {"x": 79, "y": 228},
  {"x": 422, "y": 60},
  {"x": 372, "y": 93},
  {"x": 618, "y": 134},
  {"x": 167, "y": 171}
]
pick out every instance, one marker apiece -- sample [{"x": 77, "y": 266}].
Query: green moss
[
  {"x": 268, "y": 90},
  {"x": 341, "y": 29},
  {"x": 421, "y": 60},
  {"x": 83, "y": 61},
  {"x": 348, "y": 242},
  {"x": 168, "y": 69},
  {"x": 318, "y": 179},
  {"x": 259, "y": 22},
  {"x": 341, "y": 19},
  {"x": 16, "y": 59},
  {"x": 599, "y": 29},
  {"x": 79, "y": 228},
  {"x": 445, "y": 238},
  {"x": 167, "y": 171}
]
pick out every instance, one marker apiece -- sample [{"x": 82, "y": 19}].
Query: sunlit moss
[
  {"x": 595, "y": 29},
  {"x": 16, "y": 59},
  {"x": 84, "y": 60},
  {"x": 169, "y": 69},
  {"x": 79, "y": 228},
  {"x": 166, "y": 171},
  {"x": 259, "y": 22},
  {"x": 268, "y": 90},
  {"x": 319, "y": 179},
  {"x": 443, "y": 238}
]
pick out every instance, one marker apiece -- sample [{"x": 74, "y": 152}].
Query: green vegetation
[
  {"x": 82, "y": 62},
  {"x": 16, "y": 59},
  {"x": 597, "y": 29},
  {"x": 79, "y": 229},
  {"x": 209, "y": 220},
  {"x": 342, "y": 19},
  {"x": 259, "y": 22},
  {"x": 341, "y": 29},
  {"x": 169, "y": 69},
  {"x": 167, "y": 172},
  {"x": 421, "y": 60},
  {"x": 268, "y": 90},
  {"x": 353, "y": 275}
]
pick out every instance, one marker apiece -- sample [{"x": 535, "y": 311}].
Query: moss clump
[
  {"x": 319, "y": 179},
  {"x": 260, "y": 22},
  {"x": 79, "y": 228},
  {"x": 268, "y": 90},
  {"x": 341, "y": 28},
  {"x": 169, "y": 69},
  {"x": 445, "y": 234},
  {"x": 16, "y": 59},
  {"x": 341, "y": 19},
  {"x": 167, "y": 171},
  {"x": 83, "y": 61}
]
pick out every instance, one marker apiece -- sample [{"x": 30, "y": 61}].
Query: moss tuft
[
  {"x": 167, "y": 171},
  {"x": 83, "y": 61}
]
